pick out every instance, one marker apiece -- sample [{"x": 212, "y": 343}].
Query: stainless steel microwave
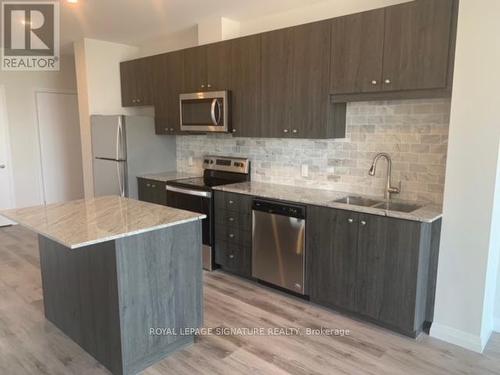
[{"x": 205, "y": 111}]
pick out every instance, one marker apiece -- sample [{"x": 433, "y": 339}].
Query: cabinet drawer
[
  {"x": 234, "y": 258},
  {"x": 234, "y": 219},
  {"x": 233, "y": 202},
  {"x": 233, "y": 235}
]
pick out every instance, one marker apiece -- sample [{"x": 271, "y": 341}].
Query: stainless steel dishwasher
[{"x": 278, "y": 246}]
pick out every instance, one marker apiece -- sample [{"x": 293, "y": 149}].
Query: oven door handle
[{"x": 198, "y": 193}]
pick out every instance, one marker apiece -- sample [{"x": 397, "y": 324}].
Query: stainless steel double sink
[{"x": 383, "y": 205}]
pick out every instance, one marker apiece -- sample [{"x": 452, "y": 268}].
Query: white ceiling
[{"x": 133, "y": 21}]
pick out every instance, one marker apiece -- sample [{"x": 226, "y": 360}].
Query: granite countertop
[
  {"x": 167, "y": 176},
  {"x": 320, "y": 197},
  {"x": 89, "y": 221}
]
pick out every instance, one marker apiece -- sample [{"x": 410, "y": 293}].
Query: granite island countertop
[
  {"x": 428, "y": 213},
  {"x": 86, "y": 222}
]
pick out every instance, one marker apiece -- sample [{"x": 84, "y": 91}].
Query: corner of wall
[{"x": 466, "y": 340}]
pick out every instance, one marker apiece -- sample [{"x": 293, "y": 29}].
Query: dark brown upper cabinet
[
  {"x": 417, "y": 45},
  {"x": 168, "y": 84},
  {"x": 357, "y": 52},
  {"x": 402, "y": 51},
  {"x": 195, "y": 69},
  {"x": 245, "y": 85},
  {"x": 295, "y": 89},
  {"x": 136, "y": 82}
]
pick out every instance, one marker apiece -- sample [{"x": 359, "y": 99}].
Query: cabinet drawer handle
[
  {"x": 231, "y": 202},
  {"x": 387, "y": 81},
  {"x": 202, "y": 86},
  {"x": 234, "y": 130},
  {"x": 362, "y": 222},
  {"x": 374, "y": 82},
  {"x": 295, "y": 131},
  {"x": 231, "y": 235},
  {"x": 231, "y": 256},
  {"x": 166, "y": 129},
  {"x": 209, "y": 85},
  {"x": 285, "y": 131},
  {"x": 350, "y": 221},
  {"x": 148, "y": 185},
  {"x": 231, "y": 219},
  {"x": 153, "y": 186},
  {"x": 171, "y": 129}
]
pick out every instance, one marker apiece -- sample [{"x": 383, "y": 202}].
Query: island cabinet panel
[
  {"x": 168, "y": 70},
  {"x": 357, "y": 52},
  {"x": 295, "y": 89},
  {"x": 137, "y": 82},
  {"x": 152, "y": 191},
  {"x": 417, "y": 45},
  {"x": 233, "y": 232},
  {"x": 371, "y": 266},
  {"x": 108, "y": 296}
]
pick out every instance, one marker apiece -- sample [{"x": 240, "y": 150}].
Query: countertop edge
[
  {"x": 106, "y": 239},
  {"x": 342, "y": 206}
]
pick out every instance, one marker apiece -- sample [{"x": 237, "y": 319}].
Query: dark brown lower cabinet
[
  {"x": 233, "y": 233},
  {"x": 372, "y": 266},
  {"x": 152, "y": 191}
]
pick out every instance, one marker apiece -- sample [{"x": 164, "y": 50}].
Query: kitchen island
[{"x": 115, "y": 272}]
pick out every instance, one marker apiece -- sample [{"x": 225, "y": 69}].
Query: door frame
[
  {"x": 4, "y": 122},
  {"x": 37, "y": 91}
]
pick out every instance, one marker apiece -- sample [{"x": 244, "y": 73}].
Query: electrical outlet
[
  {"x": 190, "y": 161},
  {"x": 304, "y": 170}
]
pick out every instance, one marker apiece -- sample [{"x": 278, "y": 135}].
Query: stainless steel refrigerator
[{"x": 125, "y": 147}]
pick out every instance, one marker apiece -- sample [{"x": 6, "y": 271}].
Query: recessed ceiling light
[{"x": 72, "y": 1}]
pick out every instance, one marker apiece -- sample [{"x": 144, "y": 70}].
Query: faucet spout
[{"x": 373, "y": 169}]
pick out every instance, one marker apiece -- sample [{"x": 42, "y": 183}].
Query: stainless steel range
[{"x": 195, "y": 194}]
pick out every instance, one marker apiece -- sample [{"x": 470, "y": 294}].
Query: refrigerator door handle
[
  {"x": 119, "y": 139},
  {"x": 121, "y": 179}
]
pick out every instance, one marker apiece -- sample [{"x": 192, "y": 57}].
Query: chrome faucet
[{"x": 389, "y": 189}]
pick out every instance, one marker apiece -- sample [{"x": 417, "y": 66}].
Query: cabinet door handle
[
  {"x": 231, "y": 219},
  {"x": 166, "y": 129},
  {"x": 387, "y": 81},
  {"x": 153, "y": 186},
  {"x": 209, "y": 85},
  {"x": 231, "y": 202},
  {"x": 231, "y": 256},
  {"x": 231, "y": 235},
  {"x": 148, "y": 185},
  {"x": 171, "y": 129},
  {"x": 285, "y": 131},
  {"x": 234, "y": 130},
  {"x": 362, "y": 222},
  {"x": 374, "y": 82},
  {"x": 202, "y": 86},
  {"x": 295, "y": 131},
  {"x": 350, "y": 220}
]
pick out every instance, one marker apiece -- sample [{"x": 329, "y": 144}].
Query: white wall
[
  {"x": 468, "y": 262},
  {"x": 98, "y": 76},
  {"x": 311, "y": 13},
  {"x": 20, "y": 93},
  {"x": 172, "y": 42}
]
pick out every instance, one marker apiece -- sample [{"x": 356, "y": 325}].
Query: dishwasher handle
[{"x": 279, "y": 208}]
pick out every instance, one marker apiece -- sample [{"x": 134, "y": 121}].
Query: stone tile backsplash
[{"x": 413, "y": 132}]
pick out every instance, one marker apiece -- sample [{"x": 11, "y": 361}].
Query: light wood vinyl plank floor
[{"x": 29, "y": 344}]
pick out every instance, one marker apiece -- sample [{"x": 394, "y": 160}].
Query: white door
[
  {"x": 6, "y": 184},
  {"x": 60, "y": 146}
]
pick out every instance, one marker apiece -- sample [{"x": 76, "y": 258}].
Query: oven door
[
  {"x": 204, "y": 111},
  {"x": 200, "y": 202}
]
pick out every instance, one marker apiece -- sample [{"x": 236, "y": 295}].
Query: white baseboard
[{"x": 466, "y": 340}]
